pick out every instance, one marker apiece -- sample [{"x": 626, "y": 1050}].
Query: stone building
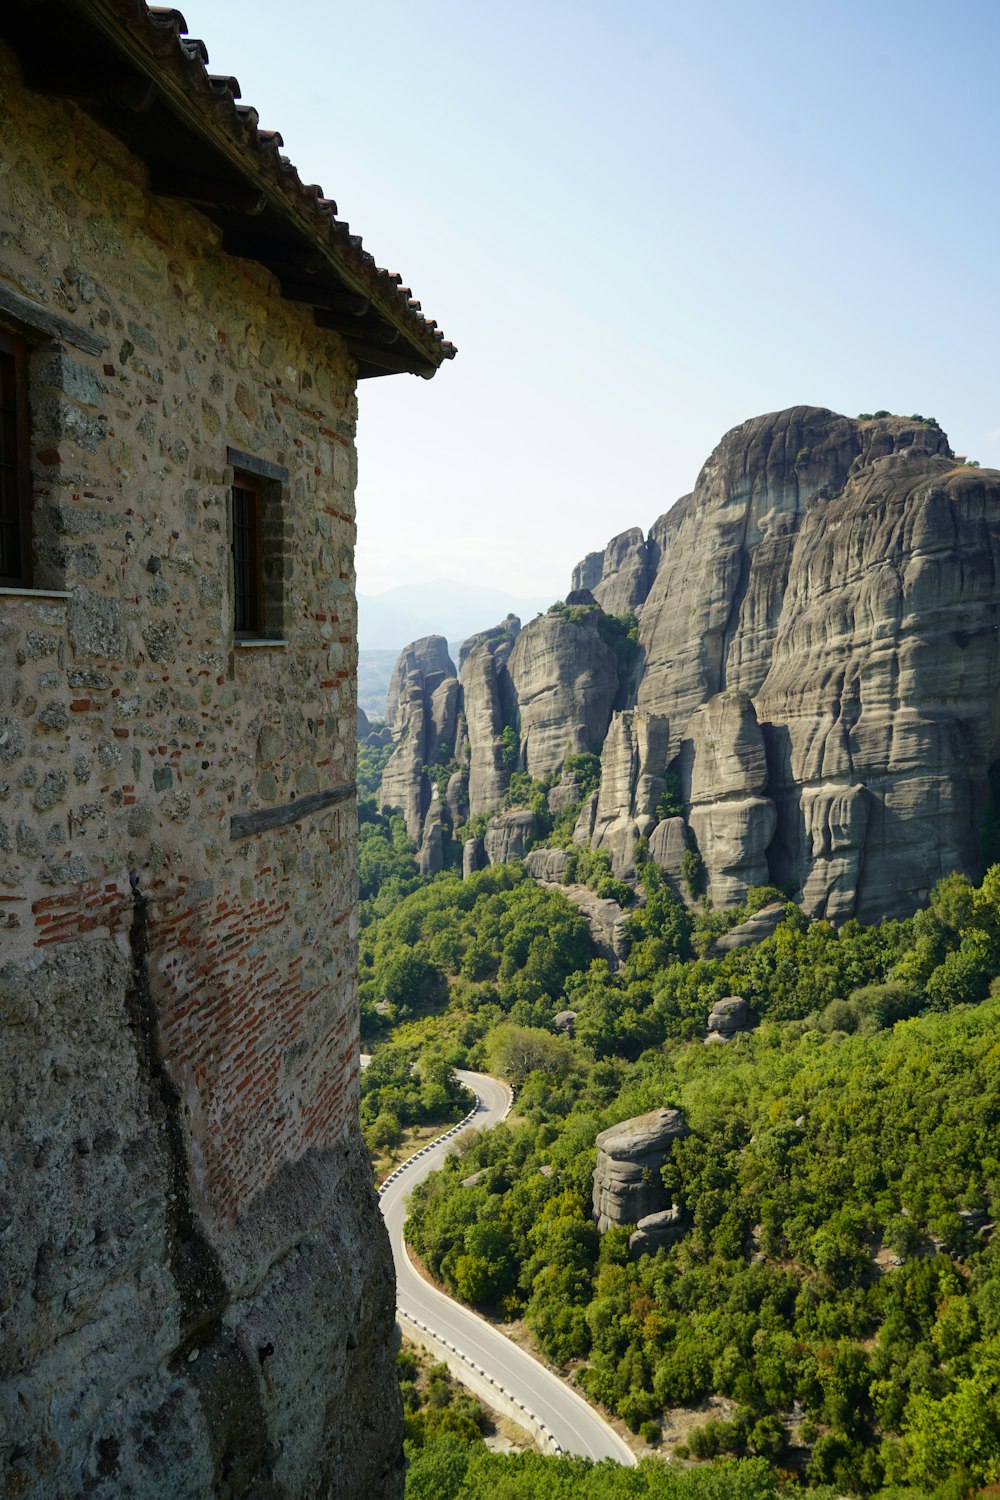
[{"x": 196, "y": 1295}]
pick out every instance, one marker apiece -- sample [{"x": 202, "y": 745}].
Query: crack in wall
[{"x": 209, "y": 1354}]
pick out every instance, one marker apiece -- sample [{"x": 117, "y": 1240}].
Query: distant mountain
[{"x": 389, "y": 621}]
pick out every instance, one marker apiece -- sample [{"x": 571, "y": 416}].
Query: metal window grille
[
  {"x": 247, "y": 558},
  {"x": 15, "y": 488}
]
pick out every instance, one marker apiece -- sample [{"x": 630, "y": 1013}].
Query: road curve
[{"x": 556, "y": 1408}]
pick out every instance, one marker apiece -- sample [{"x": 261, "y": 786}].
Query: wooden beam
[
  {"x": 90, "y": 85},
  {"x": 377, "y": 334},
  {"x": 345, "y": 303},
  {"x": 385, "y": 359},
  {"x": 242, "y": 825},
  {"x": 278, "y": 257},
  {"x": 207, "y": 192}
]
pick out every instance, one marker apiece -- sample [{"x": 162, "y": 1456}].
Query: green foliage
[
  {"x": 372, "y": 761},
  {"x": 804, "y": 1155},
  {"x": 585, "y": 768},
  {"x": 512, "y": 941},
  {"x": 862, "y": 1113},
  {"x": 386, "y": 858},
  {"x": 510, "y": 748},
  {"x": 620, "y": 632},
  {"x": 693, "y": 872},
  {"x": 610, "y": 889},
  {"x": 516, "y": 1051},
  {"x": 399, "y": 1088},
  {"x": 670, "y": 804},
  {"x": 444, "y": 1470}
]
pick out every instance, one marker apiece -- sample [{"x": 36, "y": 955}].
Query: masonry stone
[{"x": 197, "y": 1294}]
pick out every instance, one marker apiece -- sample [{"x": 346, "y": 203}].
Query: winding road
[{"x": 485, "y": 1357}]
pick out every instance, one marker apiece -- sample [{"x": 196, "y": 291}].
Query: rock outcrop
[
  {"x": 619, "y": 577},
  {"x": 627, "y": 1182},
  {"x": 420, "y": 712},
  {"x": 656, "y": 1232},
  {"x": 549, "y": 865},
  {"x": 632, "y": 765},
  {"x": 728, "y": 1016},
  {"x": 732, "y": 821},
  {"x": 490, "y": 706},
  {"x": 753, "y": 930},
  {"x": 508, "y": 834},
  {"x": 566, "y": 680},
  {"x": 605, "y": 919}
]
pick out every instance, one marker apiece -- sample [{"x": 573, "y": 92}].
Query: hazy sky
[{"x": 640, "y": 224}]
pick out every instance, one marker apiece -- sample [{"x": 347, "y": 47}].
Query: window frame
[
  {"x": 252, "y": 485},
  {"x": 17, "y": 349}
]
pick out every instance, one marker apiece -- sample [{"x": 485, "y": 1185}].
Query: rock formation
[
  {"x": 605, "y": 919},
  {"x": 420, "y": 713},
  {"x": 817, "y": 684},
  {"x": 732, "y": 821},
  {"x": 632, "y": 765},
  {"x": 508, "y": 835},
  {"x": 489, "y": 706},
  {"x": 549, "y": 865},
  {"x": 566, "y": 680},
  {"x": 619, "y": 577},
  {"x": 759, "y": 926},
  {"x": 627, "y": 1182},
  {"x": 656, "y": 1232},
  {"x": 728, "y": 1016}
]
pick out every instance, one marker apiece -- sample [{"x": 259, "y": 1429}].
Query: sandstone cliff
[
  {"x": 566, "y": 678},
  {"x": 815, "y": 698}
]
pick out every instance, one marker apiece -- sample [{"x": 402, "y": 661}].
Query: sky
[{"x": 641, "y": 225}]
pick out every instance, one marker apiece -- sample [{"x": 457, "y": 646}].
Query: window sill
[
  {"x": 21, "y": 591},
  {"x": 257, "y": 643}
]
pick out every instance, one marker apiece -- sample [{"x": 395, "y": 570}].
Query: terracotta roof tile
[{"x": 179, "y": 64}]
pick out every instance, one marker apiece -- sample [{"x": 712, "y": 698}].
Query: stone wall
[{"x": 195, "y": 1288}]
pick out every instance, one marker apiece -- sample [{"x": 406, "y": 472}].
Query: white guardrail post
[{"x": 548, "y": 1437}]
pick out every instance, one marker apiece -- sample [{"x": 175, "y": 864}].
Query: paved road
[{"x": 575, "y": 1425}]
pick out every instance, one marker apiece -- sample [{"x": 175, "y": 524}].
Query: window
[
  {"x": 15, "y": 480},
  {"x": 248, "y": 555},
  {"x": 259, "y": 537}
]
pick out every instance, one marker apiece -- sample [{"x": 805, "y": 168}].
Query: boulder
[
  {"x": 728, "y": 1016},
  {"x": 656, "y": 1232},
  {"x": 759, "y": 926},
  {"x": 563, "y": 1021},
  {"x": 548, "y": 865},
  {"x": 473, "y": 858},
  {"x": 627, "y": 1182}
]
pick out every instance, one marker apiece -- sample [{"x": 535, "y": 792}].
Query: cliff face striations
[{"x": 814, "y": 703}]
